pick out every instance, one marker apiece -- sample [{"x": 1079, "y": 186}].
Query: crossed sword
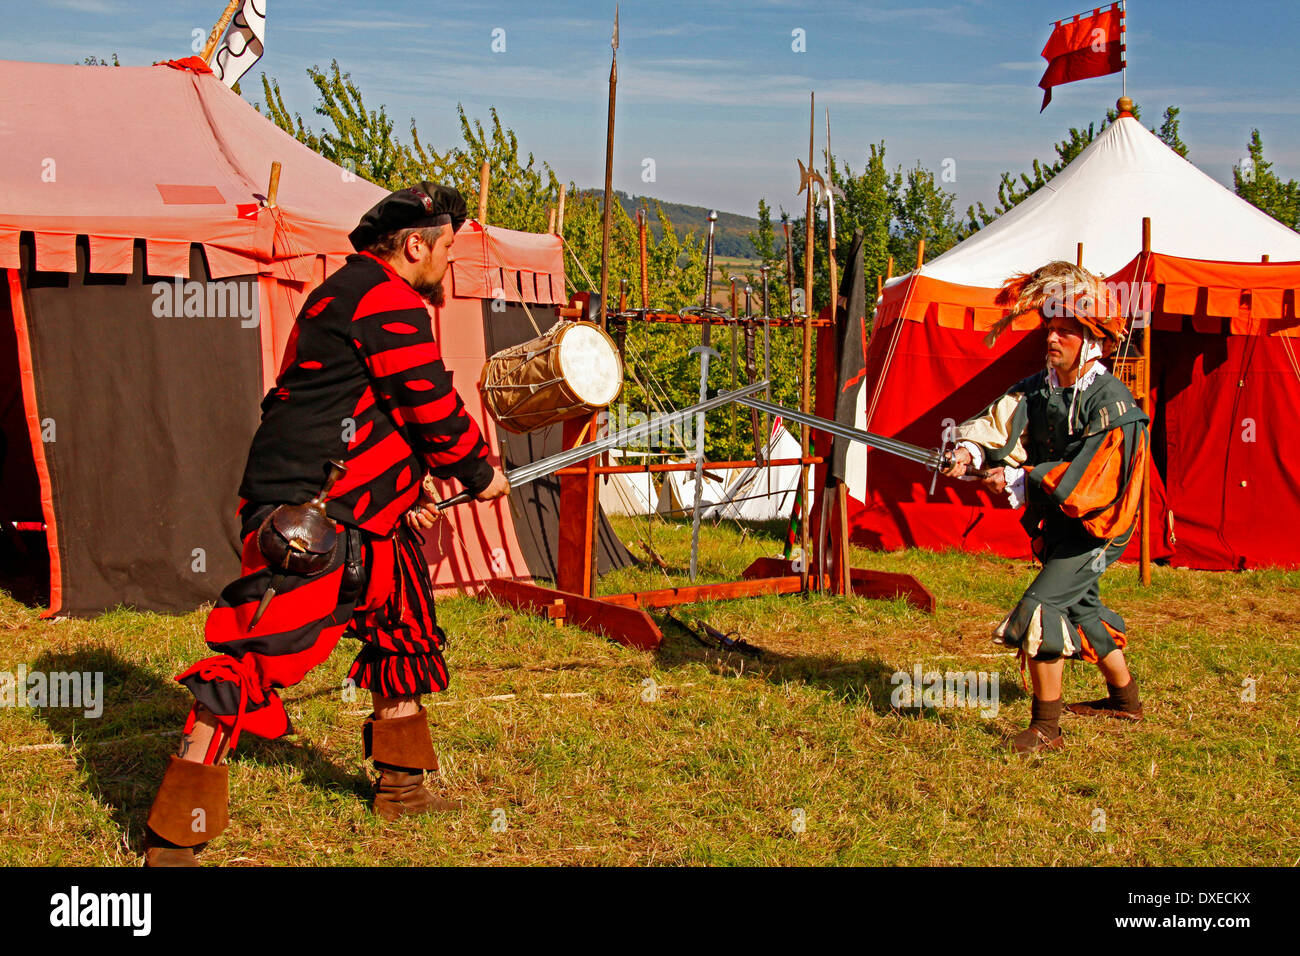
[{"x": 936, "y": 459}]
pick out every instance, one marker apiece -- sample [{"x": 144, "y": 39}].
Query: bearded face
[{"x": 431, "y": 292}]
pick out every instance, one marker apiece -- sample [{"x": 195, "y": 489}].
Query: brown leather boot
[
  {"x": 1121, "y": 703},
  {"x": 191, "y": 808},
  {"x": 402, "y": 751},
  {"x": 1044, "y": 730}
]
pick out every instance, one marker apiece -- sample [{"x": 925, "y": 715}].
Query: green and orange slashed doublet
[{"x": 1084, "y": 454}]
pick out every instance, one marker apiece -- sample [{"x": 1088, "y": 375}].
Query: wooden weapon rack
[{"x": 624, "y": 617}]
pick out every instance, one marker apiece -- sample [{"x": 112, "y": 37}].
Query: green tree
[{"x": 1254, "y": 181}]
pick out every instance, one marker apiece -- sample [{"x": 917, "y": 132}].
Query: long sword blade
[
  {"x": 925, "y": 456},
  {"x": 553, "y": 463}
]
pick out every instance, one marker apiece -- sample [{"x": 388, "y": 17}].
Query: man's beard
[{"x": 432, "y": 293}]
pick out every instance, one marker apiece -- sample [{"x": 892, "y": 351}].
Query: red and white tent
[
  {"x": 126, "y": 415},
  {"x": 1225, "y": 376}
]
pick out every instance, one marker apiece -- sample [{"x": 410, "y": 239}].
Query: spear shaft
[{"x": 609, "y": 173}]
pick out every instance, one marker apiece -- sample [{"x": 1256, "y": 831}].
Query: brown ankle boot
[
  {"x": 1044, "y": 730},
  {"x": 402, "y": 751},
  {"x": 191, "y": 808},
  {"x": 1122, "y": 703}
]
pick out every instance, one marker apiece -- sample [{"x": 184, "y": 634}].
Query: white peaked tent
[
  {"x": 1126, "y": 173},
  {"x": 627, "y": 494},
  {"x": 764, "y": 494},
  {"x": 677, "y": 493},
  {"x": 1223, "y": 325}
]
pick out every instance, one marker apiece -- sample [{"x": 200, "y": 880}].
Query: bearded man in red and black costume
[{"x": 362, "y": 383}]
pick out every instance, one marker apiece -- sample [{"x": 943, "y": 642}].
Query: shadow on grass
[
  {"x": 124, "y": 750},
  {"x": 866, "y": 680}
]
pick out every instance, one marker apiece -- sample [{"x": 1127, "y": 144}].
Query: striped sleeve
[{"x": 392, "y": 331}]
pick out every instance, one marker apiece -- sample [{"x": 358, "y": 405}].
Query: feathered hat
[{"x": 1060, "y": 288}]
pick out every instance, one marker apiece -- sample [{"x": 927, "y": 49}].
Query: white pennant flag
[{"x": 243, "y": 44}]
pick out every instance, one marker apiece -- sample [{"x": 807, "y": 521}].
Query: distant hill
[{"x": 730, "y": 235}]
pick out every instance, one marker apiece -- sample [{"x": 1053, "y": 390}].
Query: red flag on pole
[{"x": 1082, "y": 48}]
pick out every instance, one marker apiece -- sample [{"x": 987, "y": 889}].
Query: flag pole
[
  {"x": 1123, "y": 43},
  {"x": 219, "y": 30}
]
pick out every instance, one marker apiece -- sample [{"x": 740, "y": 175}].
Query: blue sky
[{"x": 713, "y": 91}]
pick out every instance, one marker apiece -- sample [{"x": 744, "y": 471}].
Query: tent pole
[
  {"x": 484, "y": 183},
  {"x": 1146, "y": 407},
  {"x": 1078, "y": 255},
  {"x": 273, "y": 189},
  {"x": 219, "y": 30},
  {"x": 641, "y": 252},
  {"x": 805, "y": 398},
  {"x": 889, "y": 269},
  {"x": 559, "y": 215},
  {"x": 550, "y": 220}
]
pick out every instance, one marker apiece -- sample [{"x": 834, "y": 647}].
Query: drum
[{"x": 570, "y": 371}]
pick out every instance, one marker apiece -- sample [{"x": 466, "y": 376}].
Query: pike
[
  {"x": 609, "y": 173},
  {"x": 936, "y": 459},
  {"x": 705, "y": 352},
  {"x": 547, "y": 466}
]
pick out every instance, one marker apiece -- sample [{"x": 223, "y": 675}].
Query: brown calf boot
[
  {"x": 192, "y": 807},
  {"x": 402, "y": 751}
]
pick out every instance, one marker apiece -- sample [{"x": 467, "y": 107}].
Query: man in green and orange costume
[{"x": 1070, "y": 444}]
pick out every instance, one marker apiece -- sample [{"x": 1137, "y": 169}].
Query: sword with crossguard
[
  {"x": 937, "y": 459},
  {"x": 547, "y": 466}
]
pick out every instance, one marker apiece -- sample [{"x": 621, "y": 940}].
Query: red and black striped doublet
[{"x": 362, "y": 381}]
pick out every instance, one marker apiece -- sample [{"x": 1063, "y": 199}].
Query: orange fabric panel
[
  {"x": 1223, "y": 302},
  {"x": 1089, "y": 653},
  {"x": 987, "y": 316},
  {"x": 1180, "y": 299},
  {"x": 223, "y": 263},
  {"x": 56, "y": 252},
  {"x": 9, "y": 248},
  {"x": 111, "y": 255},
  {"x": 167, "y": 257},
  {"x": 27, "y": 374},
  {"x": 1266, "y": 303},
  {"x": 1199, "y": 273},
  {"x": 482, "y": 253},
  {"x": 951, "y": 316},
  {"x": 1118, "y": 518}
]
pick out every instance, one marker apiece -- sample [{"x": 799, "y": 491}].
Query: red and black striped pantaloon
[{"x": 375, "y": 589}]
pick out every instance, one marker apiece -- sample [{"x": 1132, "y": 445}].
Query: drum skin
[{"x": 530, "y": 385}]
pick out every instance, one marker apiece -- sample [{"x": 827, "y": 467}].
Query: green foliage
[
  {"x": 893, "y": 211},
  {"x": 96, "y": 61},
  {"x": 1254, "y": 181}
]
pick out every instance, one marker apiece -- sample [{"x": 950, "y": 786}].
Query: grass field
[{"x": 798, "y": 758}]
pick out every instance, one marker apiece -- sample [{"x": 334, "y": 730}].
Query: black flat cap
[{"x": 418, "y": 207}]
